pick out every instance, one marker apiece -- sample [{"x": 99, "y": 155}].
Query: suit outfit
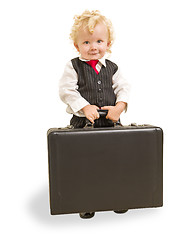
[{"x": 80, "y": 85}]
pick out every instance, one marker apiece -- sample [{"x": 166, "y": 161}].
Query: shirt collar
[{"x": 101, "y": 60}]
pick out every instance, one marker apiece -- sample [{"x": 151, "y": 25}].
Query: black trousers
[{"x": 80, "y": 122}]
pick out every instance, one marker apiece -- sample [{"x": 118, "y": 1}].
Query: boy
[
  {"x": 91, "y": 82},
  {"x": 84, "y": 89}
]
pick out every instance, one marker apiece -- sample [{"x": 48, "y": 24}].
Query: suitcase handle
[{"x": 102, "y": 113}]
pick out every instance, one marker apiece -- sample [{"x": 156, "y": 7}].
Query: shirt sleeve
[
  {"x": 121, "y": 88},
  {"x": 68, "y": 91}
]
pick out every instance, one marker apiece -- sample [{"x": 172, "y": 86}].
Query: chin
[{"x": 94, "y": 57}]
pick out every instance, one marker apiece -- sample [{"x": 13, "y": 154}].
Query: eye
[
  {"x": 86, "y": 42},
  {"x": 99, "y": 41}
]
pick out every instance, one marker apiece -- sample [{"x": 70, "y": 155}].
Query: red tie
[{"x": 93, "y": 63}]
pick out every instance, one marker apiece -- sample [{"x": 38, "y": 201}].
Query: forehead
[{"x": 100, "y": 30}]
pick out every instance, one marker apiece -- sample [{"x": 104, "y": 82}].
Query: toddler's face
[{"x": 93, "y": 46}]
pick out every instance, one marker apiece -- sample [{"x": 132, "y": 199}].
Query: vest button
[
  {"x": 99, "y": 82},
  {"x": 99, "y": 90}
]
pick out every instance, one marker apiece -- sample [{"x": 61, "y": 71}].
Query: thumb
[{"x": 105, "y": 108}]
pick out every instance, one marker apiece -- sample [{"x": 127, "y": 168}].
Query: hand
[
  {"x": 91, "y": 112},
  {"x": 114, "y": 112}
]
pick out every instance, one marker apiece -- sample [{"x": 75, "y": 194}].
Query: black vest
[{"x": 96, "y": 88}]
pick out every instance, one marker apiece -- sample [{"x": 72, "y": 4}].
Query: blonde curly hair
[{"x": 90, "y": 19}]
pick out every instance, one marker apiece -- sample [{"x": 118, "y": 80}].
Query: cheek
[
  {"x": 85, "y": 48},
  {"x": 104, "y": 47}
]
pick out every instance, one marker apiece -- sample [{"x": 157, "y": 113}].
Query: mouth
[{"x": 93, "y": 53}]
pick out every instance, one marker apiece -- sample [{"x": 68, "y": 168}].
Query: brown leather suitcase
[{"x": 103, "y": 169}]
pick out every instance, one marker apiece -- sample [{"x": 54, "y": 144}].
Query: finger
[
  {"x": 96, "y": 107},
  {"x": 105, "y": 108},
  {"x": 91, "y": 119},
  {"x": 97, "y": 115}
]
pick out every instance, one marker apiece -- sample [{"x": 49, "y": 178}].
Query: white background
[{"x": 34, "y": 48}]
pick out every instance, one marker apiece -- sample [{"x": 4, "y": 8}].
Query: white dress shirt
[{"x": 68, "y": 88}]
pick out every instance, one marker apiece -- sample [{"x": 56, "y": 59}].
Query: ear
[
  {"x": 108, "y": 44},
  {"x": 76, "y": 46}
]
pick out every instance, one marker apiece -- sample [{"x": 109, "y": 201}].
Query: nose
[{"x": 93, "y": 46}]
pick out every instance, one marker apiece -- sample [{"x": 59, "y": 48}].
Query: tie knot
[{"x": 93, "y": 63}]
